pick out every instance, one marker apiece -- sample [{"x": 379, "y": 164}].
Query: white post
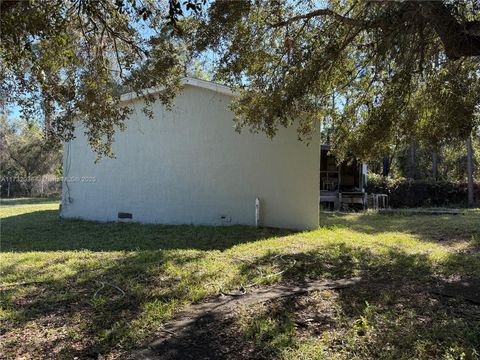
[{"x": 257, "y": 212}]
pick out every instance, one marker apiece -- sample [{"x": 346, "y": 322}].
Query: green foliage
[
  {"x": 199, "y": 70},
  {"x": 446, "y": 104},
  {"x": 416, "y": 193},
  {"x": 414, "y": 159},
  {"x": 370, "y": 70},
  {"x": 73, "y": 59},
  {"x": 26, "y": 152},
  {"x": 297, "y": 64},
  {"x": 25, "y": 157}
]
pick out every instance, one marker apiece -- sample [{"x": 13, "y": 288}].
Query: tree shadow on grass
[
  {"x": 366, "y": 321},
  {"x": 99, "y": 307},
  {"x": 400, "y": 310},
  {"x": 84, "y": 318},
  {"x": 43, "y": 231},
  {"x": 403, "y": 303},
  {"x": 104, "y": 303},
  {"x": 393, "y": 298}
]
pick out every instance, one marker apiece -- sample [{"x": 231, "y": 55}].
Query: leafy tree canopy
[
  {"x": 23, "y": 152},
  {"x": 372, "y": 70}
]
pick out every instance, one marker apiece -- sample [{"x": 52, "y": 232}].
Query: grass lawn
[{"x": 79, "y": 289}]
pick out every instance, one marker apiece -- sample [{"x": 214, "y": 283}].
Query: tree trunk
[
  {"x": 386, "y": 166},
  {"x": 469, "y": 172},
  {"x": 48, "y": 112},
  {"x": 459, "y": 39},
  {"x": 412, "y": 168},
  {"x": 434, "y": 165}
]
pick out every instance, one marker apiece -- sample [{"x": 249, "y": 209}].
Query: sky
[{"x": 13, "y": 112}]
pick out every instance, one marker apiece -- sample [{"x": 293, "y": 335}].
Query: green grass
[
  {"x": 27, "y": 201},
  {"x": 52, "y": 269}
]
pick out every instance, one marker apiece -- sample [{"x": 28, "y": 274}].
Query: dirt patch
[
  {"x": 466, "y": 289},
  {"x": 189, "y": 335}
]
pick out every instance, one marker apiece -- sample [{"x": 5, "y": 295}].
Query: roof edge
[{"x": 203, "y": 84}]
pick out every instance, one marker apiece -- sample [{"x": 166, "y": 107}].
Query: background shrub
[{"x": 417, "y": 193}]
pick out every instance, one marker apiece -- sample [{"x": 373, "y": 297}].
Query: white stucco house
[{"x": 189, "y": 166}]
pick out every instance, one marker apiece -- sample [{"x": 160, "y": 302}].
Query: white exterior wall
[{"x": 189, "y": 166}]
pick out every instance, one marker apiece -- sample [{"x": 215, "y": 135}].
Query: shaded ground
[
  {"x": 365, "y": 321},
  {"x": 189, "y": 334},
  {"x": 53, "y": 304}
]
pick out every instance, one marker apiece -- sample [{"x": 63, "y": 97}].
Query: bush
[{"x": 417, "y": 193}]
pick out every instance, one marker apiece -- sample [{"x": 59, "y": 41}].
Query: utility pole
[{"x": 469, "y": 172}]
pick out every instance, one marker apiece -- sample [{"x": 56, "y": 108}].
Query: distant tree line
[
  {"x": 29, "y": 165},
  {"x": 416, "y": 161}
]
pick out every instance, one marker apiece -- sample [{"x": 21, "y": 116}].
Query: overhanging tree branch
[
  {"x": 323, "y": 12},
  {"x": 460, "y": 39}
]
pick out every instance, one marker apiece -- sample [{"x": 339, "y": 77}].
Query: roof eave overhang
[{"x": 221, "y": 89}]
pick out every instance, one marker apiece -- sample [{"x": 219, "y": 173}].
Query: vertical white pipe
[{"x": 257, "y": 212}]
